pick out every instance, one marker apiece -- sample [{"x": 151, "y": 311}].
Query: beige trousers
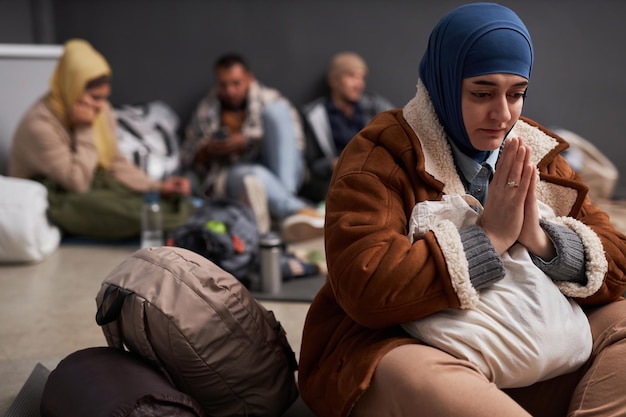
[{"x": 417, "y": 380}]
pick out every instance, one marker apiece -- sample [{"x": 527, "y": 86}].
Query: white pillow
[
  {"x": 522, "y": 331},
  {"x": 26, "y": 235}
]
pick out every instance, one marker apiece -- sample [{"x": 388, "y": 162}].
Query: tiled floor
[{"x": 47, "y": 311}]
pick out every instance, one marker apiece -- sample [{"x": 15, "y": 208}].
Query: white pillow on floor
[{"x": 26, "y": 235}]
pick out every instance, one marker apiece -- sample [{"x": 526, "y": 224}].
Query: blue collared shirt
[
  {"x": 475, "y": 176},
  {"x": 344, "y": 128}
]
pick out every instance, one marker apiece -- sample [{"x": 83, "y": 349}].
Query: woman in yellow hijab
[
  {"x": 79, "y": 89},
  {"x": 67, "y": 140}
]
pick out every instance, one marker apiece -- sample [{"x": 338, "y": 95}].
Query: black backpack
[{"x": 225, "y": 232}]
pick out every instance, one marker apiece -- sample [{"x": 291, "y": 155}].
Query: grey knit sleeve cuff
[
  {"x": 569, "y": 263},
  {"x": 485, "y": 265}
]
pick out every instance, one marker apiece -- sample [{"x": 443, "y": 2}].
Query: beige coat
[{"x": 43, "y": 148}]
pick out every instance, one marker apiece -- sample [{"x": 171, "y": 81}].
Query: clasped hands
[{"x": 511, "y": 214}]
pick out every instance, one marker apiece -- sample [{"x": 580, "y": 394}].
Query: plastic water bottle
[{"x": 151, "y": 221}]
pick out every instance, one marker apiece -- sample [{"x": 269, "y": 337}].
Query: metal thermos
[{"x": 271, "y": 275}]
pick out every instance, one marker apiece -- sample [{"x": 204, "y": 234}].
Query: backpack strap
[
  {"x": 115, "y": 307},
  {"x": 106, "y": 316}
]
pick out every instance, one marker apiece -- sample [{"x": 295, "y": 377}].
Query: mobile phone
[{"x": 221, "y": 134}]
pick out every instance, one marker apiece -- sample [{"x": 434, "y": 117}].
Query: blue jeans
[{"x": 280, "y": 165}]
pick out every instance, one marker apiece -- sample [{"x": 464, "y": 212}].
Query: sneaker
[
  {"x": 306, "y": 223},
  {"x": 256, "y": 198}
]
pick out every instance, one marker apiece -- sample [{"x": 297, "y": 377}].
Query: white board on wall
[{"x": 25, "y": 71}]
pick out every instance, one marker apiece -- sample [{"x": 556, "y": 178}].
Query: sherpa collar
[{"x": 438, "y": 159}]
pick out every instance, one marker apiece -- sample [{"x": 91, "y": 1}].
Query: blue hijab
[{"x": 471, "y": 40}]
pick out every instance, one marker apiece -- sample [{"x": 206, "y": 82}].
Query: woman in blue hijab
[
  {"x": 474, "y": 40},
  {"x": 429, "y": 209}
]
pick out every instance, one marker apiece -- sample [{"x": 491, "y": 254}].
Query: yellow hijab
[{"x": 79, "y": 64}]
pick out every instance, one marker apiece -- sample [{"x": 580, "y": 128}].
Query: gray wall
[
  {"x": 26, "y": 21},
  {"x": 16, "y": 22},
  {"x": 164, "y": 49}
]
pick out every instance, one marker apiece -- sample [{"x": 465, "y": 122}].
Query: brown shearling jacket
[{"x": 378, "y": 280}]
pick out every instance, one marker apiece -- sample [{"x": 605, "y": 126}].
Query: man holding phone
[{"x": 243, "y": 129}]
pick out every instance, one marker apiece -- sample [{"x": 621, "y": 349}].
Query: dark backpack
[
  {"x": 225, "y": 232},
  {"x": 105, "y": 381}
]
